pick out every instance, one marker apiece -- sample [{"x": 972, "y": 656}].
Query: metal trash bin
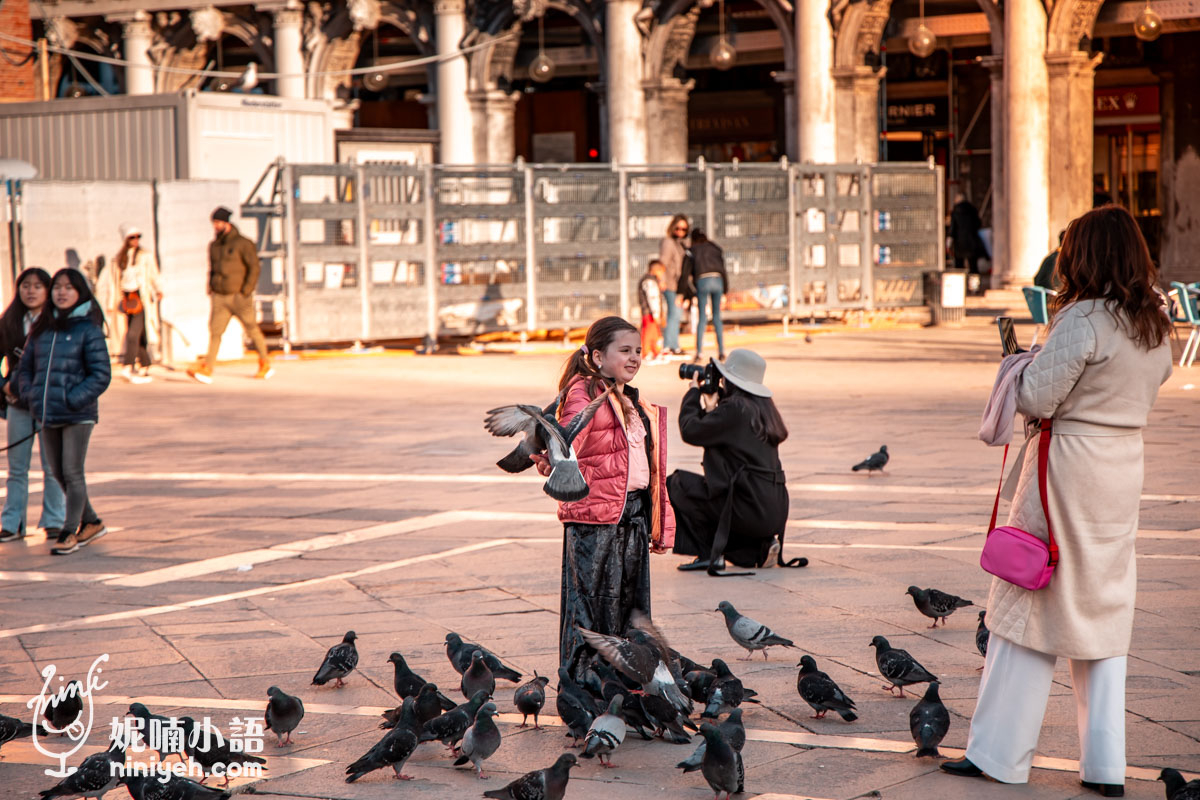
[{"x": 945, "y": 294}]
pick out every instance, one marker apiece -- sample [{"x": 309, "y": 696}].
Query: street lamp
[
  {"x": 1148, "y": 25},
  {"x": 922, "y": 43},
  {"x": 541, "y": 69},
  {"x": 723, "y": 55}
]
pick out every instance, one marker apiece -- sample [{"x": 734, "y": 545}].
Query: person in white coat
[
  {"x": 1096, "y": 378},
  {"x": 128, "y": 291}
]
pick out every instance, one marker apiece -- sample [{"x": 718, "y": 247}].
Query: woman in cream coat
[
  {"x": 1097, "y": 378},
  {"x": 135, "y": 336}
]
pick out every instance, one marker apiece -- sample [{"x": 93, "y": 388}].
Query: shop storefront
[{"x": 1128, "y": 154}]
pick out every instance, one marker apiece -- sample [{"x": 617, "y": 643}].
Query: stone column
[
  {"x": 856, "y": 106},
  {"x": 667, "y": 121},
  {"x": 814, "y": 82},
  {"x": 626, "y": 100},
  {"x": 454, "y": 111},
  {"x": 787, "y": 79},
  {"x": 995, "y": 65},
  {"x": 289, "y": 54},
  {"x": 1071, "y": 135},
  {"x": 135, "y": 46},
  {"x": 493, "y": 115}
]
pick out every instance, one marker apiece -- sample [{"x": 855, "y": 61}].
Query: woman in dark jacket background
[
  {"x": 710, "y": 282},
  {"x": 63, "y": 371},
  {"x": 738, "y": 508}
]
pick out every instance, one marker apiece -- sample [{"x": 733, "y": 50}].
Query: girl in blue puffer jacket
[{"x": 63, "y": 371}]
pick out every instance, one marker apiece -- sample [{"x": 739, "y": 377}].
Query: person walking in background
[
  {"x": 1045, "y": 273},
  {"x": 964, "y": 234},
  {"x": 62, "y": 373},
  {"x": 650, "y": 299},
  {"x": 1095, "y": 379},
  {"x": 232, "y": 278},
  {"x": 33, "y": 294},
  {"x": 708, "y": 266},
  {"x": 672, "y": 253},
  {"x": 128, "y": 293}
]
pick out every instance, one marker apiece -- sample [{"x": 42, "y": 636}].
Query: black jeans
[
  {"x": 135, "y": 340},
  {"x": 66, "y": 447}
]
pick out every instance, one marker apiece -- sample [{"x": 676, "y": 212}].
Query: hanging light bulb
[
  {"x": 377, "y": 80},
  {"x": 723, "y": 55},
  {"x": 922, "y": 43},
  {"x": 249, "y": 77},
  {"x": 1148, "y": 25},
  {"x": 542, "y": 68}
]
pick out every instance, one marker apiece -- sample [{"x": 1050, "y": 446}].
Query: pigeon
[
  {"x": 216, "y": 752},
  {"x": 152, "y": 787},
  {"x": 477, "y": 677},
  {"x": 1176, "y": 788},
  {"x": 541, "y": 784},
  {"x": 929, "y": 720},
  {"x": 698, "y": 682},
  {"x": 898, "y": 666},
  {"x": 666, "y": 718},
  {"x": 720, "y": 763},
  {"x": 935, "y": 604},
  {"x": 392, "y": 750},
  {"x": 450, "y": 727},
  {"x": 481, "y": 740},
  {"x": 529, "y": 699},
  {"x": 874, "y": 462},
  {"x": 61, "y": 713},
  {"x": 575, "y": 706},
  {"x": 13, "y": 728},
  {"x": 724, "y": 694},
  {"x": 92, "y": 778},
  {"x": 167, "y": 745},
  {"x": 460, "y": 652},
  {"x": 606, "y": 733},
  {"x": 819, "y": 691},
  {"x": 339, "y": 662},
  {"x": 409, "y": 683},
  {"x": 631, "y": 706},
  {"x": 283, "y": 714},
  {"x": 735, "y": 734},
  {"x": 642, "y": 657},
  {"x": 750, "y": 634},
  {"x": 982, "y": 634},
  {"x": 430, "y": 703},
  {"x": 544, "y": 433}
]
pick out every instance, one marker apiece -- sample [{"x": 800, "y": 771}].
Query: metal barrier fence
[{"x": 376, "y": 251}]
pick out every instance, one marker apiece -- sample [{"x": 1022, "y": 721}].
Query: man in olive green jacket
[{"x": 232, "y": 277}]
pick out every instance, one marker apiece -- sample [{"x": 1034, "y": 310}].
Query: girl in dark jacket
[
  {"x": 31, "y": 300},
  {"x": 63, "y": 371},
  {"x": 740, "y": 430}
]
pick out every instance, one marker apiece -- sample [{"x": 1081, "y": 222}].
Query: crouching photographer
[{"x": 736, "y": 510}]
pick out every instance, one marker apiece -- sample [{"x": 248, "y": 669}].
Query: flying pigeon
[
  {"x": 720, "y": 763},
  {"x": 606, "y": 733},
  {"x": 13, "y": 728},
  {"x": 544, "y": 433},
  {"x": 529, "y": 699},
  {"x": 642, "y": 657},
  {"x": 478, "y": 677},
  {"x": 450, "y": 727},
  {"x": 391, "y": 751},
  {"x": 936, "y": 604},
  {"x": 874, "y": 462},
  {"x": 92, "y": 778},
  {"x": 481, "y": 740},
  {"x": 725, "y": 693},
  {"x": 1176, "y": 788},
  {"x": 575, "y": 706},
  {"x": 339, "y": 662},
  {"x": 929, "y": 720},
  {"x": 819, "y": 691},
  {"x": 460, "y": 652},
  {"x": 541, "y": 784},
  {"x": 898, "y": 666},
  {"x": 167, "y": 745},
  {"x": 283, "y": 714},
  {"x": 735, "y": 734},
  {"x": 409, "y": 683},
  {"x": 982, "y": 634},
  {"x": 61, "y": 713},
  {"x": 750, "y": 634},
  {"x": 151, "y": 787},
  {"x": 217, "y": 751}
]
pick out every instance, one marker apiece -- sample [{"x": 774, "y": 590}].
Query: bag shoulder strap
[{"x": 1046, "y": 426}]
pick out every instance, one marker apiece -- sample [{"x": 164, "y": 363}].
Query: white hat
[
  {"x": 129, "y": 229},
  {"x": 745, "y": 369}
]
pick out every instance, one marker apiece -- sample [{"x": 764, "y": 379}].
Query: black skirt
[{"x": 605, "y": 576}]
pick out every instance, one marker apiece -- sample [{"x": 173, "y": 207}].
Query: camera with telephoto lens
[{"x": 707, "y": 375}]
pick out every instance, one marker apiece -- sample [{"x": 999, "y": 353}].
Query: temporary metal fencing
[{"x": 375, "y": 251}]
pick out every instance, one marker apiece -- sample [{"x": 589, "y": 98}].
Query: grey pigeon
[
  {"x": 529, "y": 699},
  {"x": 481, "y": 740},
  {"x": 575, "y": 706},
  {"x": 283, "y": 714},
  {"x": 929, "y": 720},
  {"x": 735, "y": 734},
  {"x": 725, "y": 693},
  {"x": 65, "y": 710},
  {"x": 339, "y": 662},
  {"x": 167, "y": 745},
  {"x": 898, "y": 666},
  {"x": 393, "y": 750},
  {"x": 218, "y": 754},
  {"x": 1176, "y": 788},
  {"x": 935, "y": 604},
  {"x": 606, "y": 734},
  {"x": 478, "y": 677},
  {"x": 408, "y": 683},
  {"x": 450, "y": 727},
  {"x": 720, "y": 763},
  {"x": 543, "y": 433},
  {"x": 874, "y": 462},
  {"x": 460, "y": 652},
  {"x": 819, "y": 691},
  {"x": 13, "y": 728},
  {"x": 541, "y": 784},
  {"x": 150, "y": 787},
  {"x": 750, "y": 634},
  {"x": 428, "y": 705},
  {"x": 982, "y": 635},
  {"x": 642, "y": 657},
  {"x": 92, "y": 778}
]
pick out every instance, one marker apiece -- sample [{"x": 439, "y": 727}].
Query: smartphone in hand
[{"x": 1008, "y": 337}]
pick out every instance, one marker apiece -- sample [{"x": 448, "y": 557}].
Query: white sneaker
[
  {"x": 127, "y": 373},
  {"x": 139, "y": 379}
]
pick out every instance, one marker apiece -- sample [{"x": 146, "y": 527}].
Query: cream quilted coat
[{"x": 1098, "y": 385}]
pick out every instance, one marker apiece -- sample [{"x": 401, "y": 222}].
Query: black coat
[
  {"x": 12, "y": 343},
  {"x": 706, "y": 258},
  {"x": 964, "y": 230},
  {"x": 65, "y": 388}
]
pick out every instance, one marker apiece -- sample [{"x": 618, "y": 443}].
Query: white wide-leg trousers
[{"x": 1012, "y": 701}]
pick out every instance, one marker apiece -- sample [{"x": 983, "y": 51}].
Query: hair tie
[{"x": 583, "y": 348}]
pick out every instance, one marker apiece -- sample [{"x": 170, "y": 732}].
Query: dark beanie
[{"x": 222, "y": 214}]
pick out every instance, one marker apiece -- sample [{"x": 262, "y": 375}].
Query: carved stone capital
[
  {"x": 289, "y": 17},
  {"x": 449, "y": 7},
  {"x": 208, "y": 24},
  {"x": 1075, "y": 64}
]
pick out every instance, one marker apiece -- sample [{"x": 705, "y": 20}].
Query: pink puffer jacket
[{"x": 603, "y": 451}]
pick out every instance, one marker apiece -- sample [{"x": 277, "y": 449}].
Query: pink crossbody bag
[{"x": 1018, "y": 556}]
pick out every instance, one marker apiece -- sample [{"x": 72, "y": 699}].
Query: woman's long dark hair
[
  {"x": 12, "y": 322},
  {"x": 58, "y": 318},
  {"x": 765, "y": 420},
  {"x": 1104, "y": 257}
]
